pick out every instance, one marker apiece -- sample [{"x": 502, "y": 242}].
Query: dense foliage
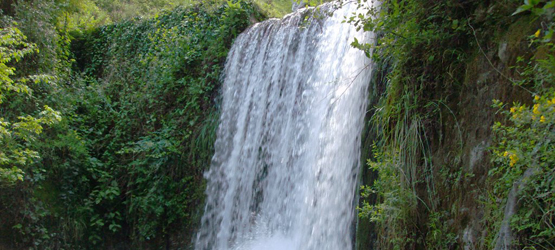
[
  {"x": 108, "y": 111},
  {"x": 425, "y": 44},
  {"x": 524, "y": 149},
  {"x": 428, "y": 182},
  {"x": 17, "y": 136},
  {"x": 119, "y": 163}
]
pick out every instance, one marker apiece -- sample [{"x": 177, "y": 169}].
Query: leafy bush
[
  {"x": 156, "y": 82},
  {"x": 523, "y": 152},
  {"x": 123, "y": 169},
  {"x": 527, "y": 144},
  {"x": 16, "y": 136}
]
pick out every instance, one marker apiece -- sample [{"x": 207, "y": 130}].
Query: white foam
[{"x": 284, "y": 172}]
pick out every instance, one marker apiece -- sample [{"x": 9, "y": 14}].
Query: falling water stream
[{"x": 285, "y": 168}]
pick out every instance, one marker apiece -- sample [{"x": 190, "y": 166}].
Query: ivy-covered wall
[{"x": 122, "y": 167}]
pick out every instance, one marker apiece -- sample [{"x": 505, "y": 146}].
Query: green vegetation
[
  {"x": 432, "y": 157},
  {"x": 108, "y": 121},
  {"x": 108, "y": 113},
  {"x": 523, "y": 152},
  {"x": 525, "y": 144},
  {"x": 275, "y": 8},
  {"x": 425, "y": 53},
  {"x": 18, "y": 136}
]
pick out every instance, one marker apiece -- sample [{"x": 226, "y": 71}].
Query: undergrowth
[
  {"x": 430, "y": 47},
  {"x": 425, "y": 44},
  {"x": 123, "y": 168},
  {"x": 523, "y": 149}
]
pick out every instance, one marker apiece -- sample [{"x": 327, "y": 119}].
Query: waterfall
[{"x": 284, "y": 173}]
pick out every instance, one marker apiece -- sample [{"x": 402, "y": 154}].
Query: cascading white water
[{"x": 284, "y": 173}]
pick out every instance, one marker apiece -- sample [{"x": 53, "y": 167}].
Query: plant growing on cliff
[
  {"x": 423, "y": 44},
  {"x": 527, "y": 143},
  {"x": 524, "y": 148}
]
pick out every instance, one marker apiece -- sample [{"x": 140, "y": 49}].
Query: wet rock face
[
  {"x": 466, "y": 135},
  {"x": 505, "y": 237},
  {"x": 502, "y": 52}
]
